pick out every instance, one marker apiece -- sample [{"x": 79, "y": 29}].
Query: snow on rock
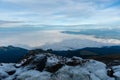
[
  {"x": 98, "y": 68},
  {"x": 116, "y": 70},
  {"x": 3, "y": 74},
  {"x": 117, "y": 75},
  {"x": 7, "y": 67},
  {"x": 92, "y": 70},
  {"x": 34, "y": 75},
  {"x": 45, "y": 66},
  {"x": 72, "y": 73},
  {"x": 6, "y": 70}
]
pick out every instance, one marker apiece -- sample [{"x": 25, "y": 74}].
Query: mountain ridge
[
  {"x": 15, "y": 54},
  {"x": 12, "y": 54}
]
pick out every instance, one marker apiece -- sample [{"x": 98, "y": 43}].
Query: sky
[
  {"x": 59, "y": 12},
  {"x": 33, "y": 16}
]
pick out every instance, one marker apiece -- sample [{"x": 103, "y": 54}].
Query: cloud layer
[{"x": 54, "y": 40}]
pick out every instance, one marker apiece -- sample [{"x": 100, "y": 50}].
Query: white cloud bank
[{"x": 55, "y": 40}]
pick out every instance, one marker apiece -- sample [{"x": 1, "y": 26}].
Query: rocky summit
[{"x": 38, "y": 65}]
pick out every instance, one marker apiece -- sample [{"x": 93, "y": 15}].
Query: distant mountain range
[
  {"x": 15, "y": 54},
  {"x": 12, "y": 54},
  {"x": 90, "y": 51}
]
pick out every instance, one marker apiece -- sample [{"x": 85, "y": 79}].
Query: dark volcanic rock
[
  {"x": 54, "y": 67},
  {"x": 110, "y": 73},
  {"x": 74, "y": 61},
  {"x": 37, "y": 62},
  {"x": 40, "y": 62},
  {"x": 11, "y": 72}
]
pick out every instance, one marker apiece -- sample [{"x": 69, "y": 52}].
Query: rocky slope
[{"x": 39, "y": 65}]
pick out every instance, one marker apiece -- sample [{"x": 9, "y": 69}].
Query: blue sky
[{"x": 59, "y": 12}]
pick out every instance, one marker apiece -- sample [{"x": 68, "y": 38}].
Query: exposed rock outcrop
[{"x": 46, "y": 66}]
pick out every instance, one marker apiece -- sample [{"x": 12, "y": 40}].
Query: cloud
[
  {"x": 63, "y": 11},
  {"x": 55, "y": 40},
  {"x": 9, "y": 23}
]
